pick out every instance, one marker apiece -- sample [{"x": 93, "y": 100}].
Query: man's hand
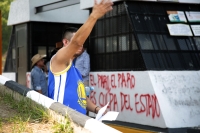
[
  {"x": 100, "y": 9},
  {"x": 97, "y": 110}
]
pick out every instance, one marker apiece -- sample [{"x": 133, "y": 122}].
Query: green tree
[{"x": 6, "y": 30}]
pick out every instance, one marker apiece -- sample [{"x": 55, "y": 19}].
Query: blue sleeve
[{"x": 35, "y": 79}]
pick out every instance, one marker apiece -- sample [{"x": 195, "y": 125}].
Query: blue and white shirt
[{"x": 66, "y": 87}]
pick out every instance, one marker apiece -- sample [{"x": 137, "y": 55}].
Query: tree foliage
[{"x": 6, "y": 30}]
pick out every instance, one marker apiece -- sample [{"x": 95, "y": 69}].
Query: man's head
[
  {"x": 38, "y": 60},
  {"x": 67, "y": 36}
]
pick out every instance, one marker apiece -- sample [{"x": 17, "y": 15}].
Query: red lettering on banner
[
  {"x": 103, "y": 82},
  {"x": 108, "y": 82},
  {"x": 108, "y": 97},
  {"x": 125, "y": 102},
  {"x": 113, "y": 102},
  {"x": 144, "y": 104},
  {"x": 101, "y": 99},
  {"x": 123, "y": 80},
  {"x": 147, "y": 103},
  {"x": 113, "y": 85},
  {"x": 127, "y": 81},
  {"x": 92, "y": 80},
  {"x": 92, "y": 97}
]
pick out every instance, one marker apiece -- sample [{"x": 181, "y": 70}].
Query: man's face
[{"x": 41, "y": 63}]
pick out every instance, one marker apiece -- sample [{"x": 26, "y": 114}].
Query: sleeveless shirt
[{"x": 66, "y": 87}]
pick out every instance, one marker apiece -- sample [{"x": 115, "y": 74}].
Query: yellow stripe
[
  {"x": 59, "y": 73},
  {"x": 128, "y": 129}
]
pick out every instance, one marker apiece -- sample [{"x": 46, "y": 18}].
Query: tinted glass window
[
  {"x": 118, "y": 35},
  {"x": 139, "y": 23},
  {"x": 182, "y": 44},
  {"x": 169, "y": 42},
  {"x": 145, "y": 42},
  {"x": 161, "y": 42},
  {"x": 123, "y": 43}
]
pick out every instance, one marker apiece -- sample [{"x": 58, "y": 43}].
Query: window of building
[{"x": 134, "y": 36}]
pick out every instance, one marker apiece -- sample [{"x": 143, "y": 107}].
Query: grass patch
[
  {"x": 64, "y": 127},
  {"x": 29, "y": 117}
]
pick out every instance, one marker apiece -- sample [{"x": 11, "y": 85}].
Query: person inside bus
[
  {"x": 38, "y": 76},
  {"x": 65, "y": 82}
]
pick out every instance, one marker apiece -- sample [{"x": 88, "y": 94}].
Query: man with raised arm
[{"x": 65, "y": 82}]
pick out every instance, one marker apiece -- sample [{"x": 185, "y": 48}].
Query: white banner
[
  {"x": 193, "y": 16},
  {"x": 196, "y": 29},
  {"x": 179, "y": 30}
]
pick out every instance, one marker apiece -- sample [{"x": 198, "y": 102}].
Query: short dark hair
[{"x": 68, "y": 31}]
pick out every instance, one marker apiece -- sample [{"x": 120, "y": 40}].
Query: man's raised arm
[{"x": 65, "y": 54}]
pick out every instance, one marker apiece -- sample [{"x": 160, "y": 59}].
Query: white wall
[
  {"x": 69, "y": 14},
  {"x": 130, "y": 93},
  {"x": 156, "y": 98},
  {"x": 85, "y": 4},
  {"x": 10, "y": 75},
  {"x": 24, "y": 11},
  {"x": 178, "y": 93},
  {"x": 19, "y": 12}
]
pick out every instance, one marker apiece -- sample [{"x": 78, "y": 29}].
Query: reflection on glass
[
  {"x": 121, "y": 9},
  {"x": 175, "y": 60},
  {"x": 155, "y": 45},
  {"x": 190, "y": 43},
  {"x": 188, "y": 60},
  {"x": 145, "y": 42},
  {"x": 50, "y": 50},
  {"x": 124, "y": 24},
  {"x": 197, "y": 42},
  {"x": 139, "y": 22},
  {"x": 100, "y": 43},
  {"x": 114, "y": 42},
  {"x": 96, "y": 46},
  {"x": 149, "y": 61},
  {"x": 123, "y": 43},
  {"x": 150, "y": 24},
  {"x": 161, "y": 42},
  {"x": 42, "y": 50},
  {"x": 111, "y": 44},
  {"x": 162, "y": 60},
  {"x": 134, "y": 44},
  {"x": 108, "y": 29},
  {"x": 13, "y": 53},
  {"x": 169, "y": 42},
  {"x": 162, "y": 21},
  {"x": 113, "y": 26},
  {"x": 114, "y": 11},
  {"x": 182, "y": 44},
  {"x": 100, "y": 28}
]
